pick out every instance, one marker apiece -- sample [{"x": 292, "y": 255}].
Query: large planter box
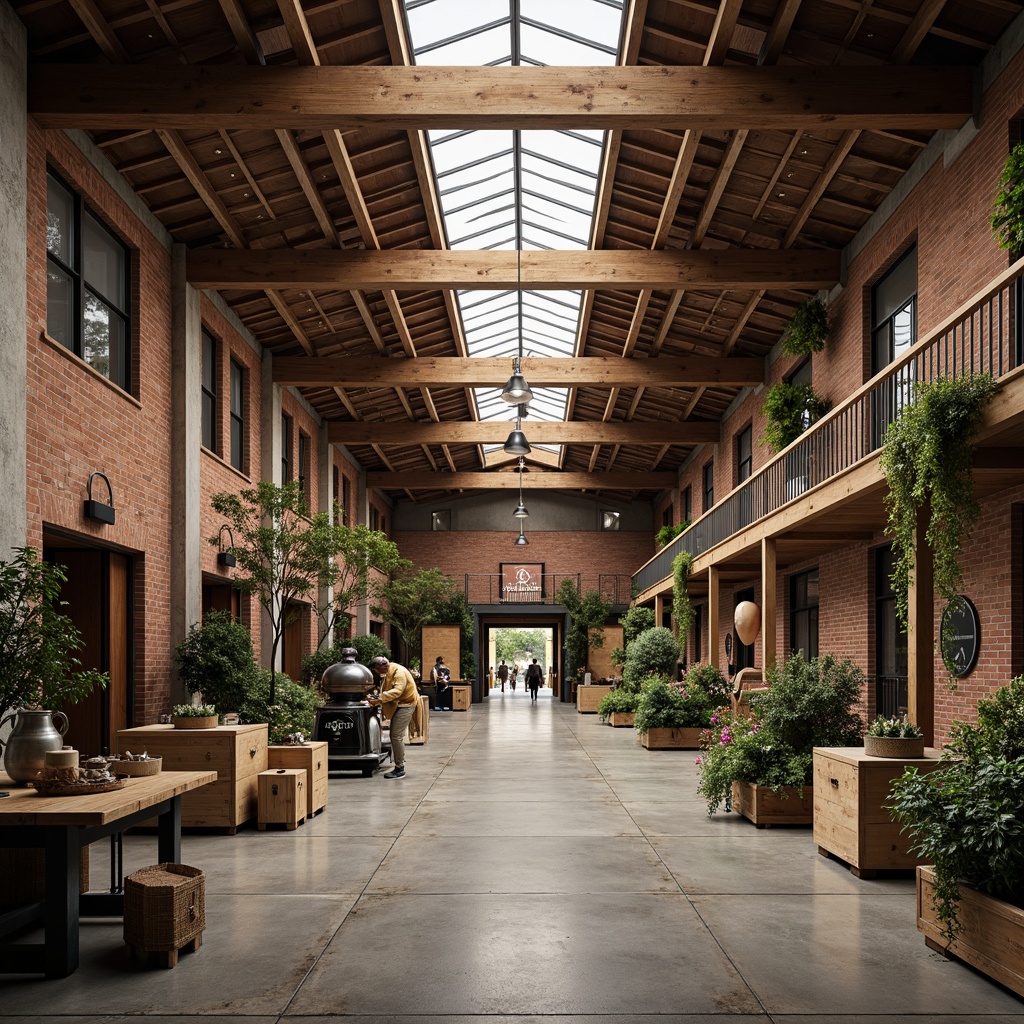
[
  {"x": 851, "y": 789},
  {"x": 991, "y": 936},
  {"x": 588, "y": 697},
  {"x": 620, "y": 719},
  {"x": 766, "y": 808},
  {"x": 671, "y": 739}
]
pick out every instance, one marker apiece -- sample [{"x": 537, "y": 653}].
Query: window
[
  {"x": 87, "y": 285},
  {"x": 286, "y": 449},
  {"x": 304, "y": 464},
  {"x": 346, "y": 501},
  {"x": 666, "y": 517},
  {"x": 893, "y": 331},
  {"x": 891, "y": 661},
  {"x": 709, "y": 486},
  {"x": 744, "y": 454},
  {"x": 442, "y": 520},
  {"x": 610, "y": 520},
  {"x": 209, "y": 412},
  {"x": 743, "y": 654},
  {"x": 803, "y": 613},
  {"x": 688, "y": 505},
  {"x": 237, "y": 416},
  {"x": 374, "y": 518},
  {"x": 698, "y": 632}
]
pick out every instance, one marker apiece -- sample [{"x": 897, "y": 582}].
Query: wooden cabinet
[
  {"x": 311, "y": 756},
  {"x": 462, "y": 697},
  {"x": 588, "y": 697},
  {"x": 237, "y": 753},
  {"x": 851, "y": 790}
]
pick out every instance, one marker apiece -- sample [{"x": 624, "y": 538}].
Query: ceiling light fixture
[
  {"x": 516, "y": 443},
  {"x": 521, "y": 512},
  {"x": 517, "y": 391}
]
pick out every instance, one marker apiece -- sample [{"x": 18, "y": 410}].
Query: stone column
[
  {"x": 270, "y": 469},
  {"x": 325, "y": 502}
]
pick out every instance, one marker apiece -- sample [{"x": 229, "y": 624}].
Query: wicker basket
[
  {"x": 164, "y": 907},
  {"x": 193, "y": 722},
  {"x": 23, "y": 875},
  {"x": 151, "y": 766}
]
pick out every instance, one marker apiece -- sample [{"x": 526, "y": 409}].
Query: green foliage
[
  {"x": 894, "y": 728},
  {"x": 807, "y": 329},
  {"x": 410, "y": 599},
  {"x": 789, "y": 409},
  {"x": 967, "y": 816},
  {"x": 588, "y": 614},
  {"x": 660, "y": 705},
  {"x": 710, "y": 680},
  {"x": 683, "y": 611},
  {"x": 458, "y": 612},
  {"x": 634, "y": 622},
  {"x": 293, "y": 710},
  {"x": 38, "y": 644},
  {"x": 193, "y": 710},
  {"x": 216, "y": 659},
  {"x": 807, "y": 704},
  {"x": 367, "y": 647},
  {"x": 667, "y": 534},
  {"x": 926, "y": 458},
  {"x": 654, "y": 650},
  {"x": 619, "y": 701},
  {"x": 1008, "y": 210}
]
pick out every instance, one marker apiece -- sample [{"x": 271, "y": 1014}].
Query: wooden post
[
  {"x": 713, "y": 638},
  {"x": 921, "y": 637},
  {"x": 659, "y": 609},
  {"x": 768, "y": 611}
]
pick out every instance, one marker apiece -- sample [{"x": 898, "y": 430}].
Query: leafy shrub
[
  {"x": 617, "y": 702},
  {"x": 367, "y": 647},
  {"x": 667, "y": 534},
  {"x": 294, "y": 707},
  {"x": 1008, "y": 210},
  {"x": 660, "y": 706},
  {"x": 216, "y": 659},
  {"x": 654, "y": 650},
  {"x": 710, "y": 680},
  {"x": 634, "y": 622},
  {"x": 807, "y": 329},
  {"x": 789, "y": 409}
]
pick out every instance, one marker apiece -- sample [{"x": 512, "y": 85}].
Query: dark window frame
[
  {"x": 708, "y": 485},
  {"x": 236, "y": 375},
  {"x": 687, "y": 504},
  {"x": 208, "y": 385},
  {"x": 305, "y": 442},
  {"x": 803, "y": 612},
  {"x": 287, "y": 467},
  {"x": 745, "y": 454}
]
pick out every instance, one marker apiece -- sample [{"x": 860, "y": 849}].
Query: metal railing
[
  {"x": 984, "y": 336},
  {"x": 487, "y": 588}
]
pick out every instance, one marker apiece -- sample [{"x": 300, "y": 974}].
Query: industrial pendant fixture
[
  {"x": 517, "y": 391},
  {"x": 521, "y": 512},
  {"x": 521, "y": 539},
  {"x": 516, "y": 443}
]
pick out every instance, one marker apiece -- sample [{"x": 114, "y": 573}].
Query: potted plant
[
  {"x": 672, "y": 716},
  {"x": 667, "y": 534},
  {"x": 789, "y": 409},
  {"x": 216, "y": 660},
  {"x": 638, "y": 619},
  {"x": 39, "y": 667},
  {"x": 763, "y": 765},
  {"x": 893, "y": 737},
  {"x": 807, "y": 329},
  {"x": 967, "y": 819},
  {"x": 194, "y": 716},
  {"x": 1008, "y": 210},
  {"x": 618, "y": 708}
]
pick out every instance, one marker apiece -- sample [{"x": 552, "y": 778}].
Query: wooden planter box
[
  {"x": 620, "y": 719},
  {"x": 991, "y": 937},
  {"x": 588, "y": 697},
  {"x": 766, "y": 808},
  {"x": 310, "y": 756},
  {"x": 851, "y": 789},
  {"x": 671, "y": 739}
]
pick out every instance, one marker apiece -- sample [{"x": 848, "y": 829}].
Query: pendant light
[
  {"x": 521, "y": 512},
  {"x": 517, "y": 391}
]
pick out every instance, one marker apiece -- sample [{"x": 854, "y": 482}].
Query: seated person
[{"x": 442, "y": 676}]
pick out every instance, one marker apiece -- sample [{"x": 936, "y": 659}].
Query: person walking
[
  {"x": 502, "y": 674},
  {"x": 513, "y": 676},
  {"x": 534, "y": 674},
  {"x": 398, "y": 700}
]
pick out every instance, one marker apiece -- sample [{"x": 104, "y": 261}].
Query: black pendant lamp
[
  {"x": 521, "y": 512},
  {"x": 517, "y": 391}
]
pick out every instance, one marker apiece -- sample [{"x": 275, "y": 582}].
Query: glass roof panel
[{"x": 517, "y": 189}]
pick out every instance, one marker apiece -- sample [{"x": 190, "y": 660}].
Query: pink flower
[
  {"x": 698, "y": 760},
  {"x": 726, "y": 737}
]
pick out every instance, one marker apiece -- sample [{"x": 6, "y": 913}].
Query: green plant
[
  {"x": 660, "y": 706},
  {"x": 619, "y": 701},
  {"x": 457, "y": 611},
  {"x": 1008, "y": 210},
  {"x": 193, "y": 710},
  {"x": 682, "y": 565},
  {"x": 967, "y": 816},
  {"x": 710, "y": 680},
  {"x": 653, "y": 651},
  {"x": 807, "y": 329},
  {"x": 216, "y": 660},
  {"x": 412, "y": 598},
  {"x": 367, "y": 647},
  {"x": 667, "y": 534},
  {"x": 896, "y": 728},
  {"x": 634, "y": 622},
  {"x": 588, "y": 614},
  {"x": 926, "y": 459},
  {"x": 38, "y": 644},
  {"x": 293, "y": 710},
  {"x": 789, "y": 409}
]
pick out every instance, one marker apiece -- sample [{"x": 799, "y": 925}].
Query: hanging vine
[
  {"x": 926, "y": 459},
  {"x": 807, "y": 329},
  {"x": 681, "y": 607},
  {"x": 1008, "y": 210}
]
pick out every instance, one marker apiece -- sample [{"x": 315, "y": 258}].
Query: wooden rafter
[{"x": 415, "y": 480}]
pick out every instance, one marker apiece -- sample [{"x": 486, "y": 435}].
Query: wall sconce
[
  {"x": 226, "y": 556},
  {"x": 98, "y": 510}
]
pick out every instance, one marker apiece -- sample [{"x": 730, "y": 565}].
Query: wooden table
[{"x": 61, "y": 826}]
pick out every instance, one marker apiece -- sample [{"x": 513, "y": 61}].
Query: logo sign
[
  {"x": 522, "y": 581},
  {"x": 960, "y": 636}
]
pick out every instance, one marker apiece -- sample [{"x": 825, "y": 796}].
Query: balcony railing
[
  {"x": 983, "y": 336},
  {"x": 486, "y": 588}
]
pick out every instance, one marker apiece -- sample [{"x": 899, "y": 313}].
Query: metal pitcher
[{"x": 32, "y": 736}]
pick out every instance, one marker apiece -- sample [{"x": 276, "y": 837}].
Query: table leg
[
  {"x": 61, "y": 913},
  {"x": 168, "y": 842}
]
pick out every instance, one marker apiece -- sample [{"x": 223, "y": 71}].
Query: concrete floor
[{"x": 533, "y": 865}]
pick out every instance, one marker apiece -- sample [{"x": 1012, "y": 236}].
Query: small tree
[
  {"x": 654, "y": 651},
  {"x": 410, "y": 599},
  {"x": 633, "y": 623},
  {"x": 588, "y": 615},
  {"x": 216, "y": 659}
]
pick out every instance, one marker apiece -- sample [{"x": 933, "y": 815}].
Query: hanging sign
[
  {"x": 960, "y": 636},
  {"x": 522, "y": 581}
]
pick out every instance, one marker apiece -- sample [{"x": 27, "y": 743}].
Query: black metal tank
[{"x": 350, "y": 726}]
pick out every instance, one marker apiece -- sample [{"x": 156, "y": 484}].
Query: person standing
[
  {"x": 534, "y": 674},
  {"x": 503, "y": 674},
  {"x": 398, "y": 700},
  {"x": 441, "y": 677},
  {"x": 513, "y": 676}
]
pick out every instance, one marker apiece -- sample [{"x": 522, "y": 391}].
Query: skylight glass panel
[{"x": 528, "y": 190}]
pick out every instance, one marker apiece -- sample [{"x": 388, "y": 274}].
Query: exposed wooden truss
[
  {"x": 496, "y": 431},
  {"x": 536, "y": 479}
]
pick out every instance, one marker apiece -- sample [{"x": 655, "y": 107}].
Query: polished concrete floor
[{"x": 534, "y": 865}]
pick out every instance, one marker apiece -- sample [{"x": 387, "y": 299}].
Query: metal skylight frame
[{"x": 551, "y": 176}]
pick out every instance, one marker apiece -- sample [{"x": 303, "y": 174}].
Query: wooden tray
[{"x": 47, "y": 788}]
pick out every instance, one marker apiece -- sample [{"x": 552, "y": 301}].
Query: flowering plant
[
  {"x": 193, "y": 710},
  {"x": 896, "y": 728}
]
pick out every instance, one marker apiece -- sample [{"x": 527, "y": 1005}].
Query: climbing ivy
[
  {"x": 682, "y": 564},
  {"x": 1008, "y": 211},
  {"x": 806, "y": 330}
]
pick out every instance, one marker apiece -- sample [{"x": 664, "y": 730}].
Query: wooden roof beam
[
  {"x": 415, "y": 480},
  {"x": 197, "y": 97}
]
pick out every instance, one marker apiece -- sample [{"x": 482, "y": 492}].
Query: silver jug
[{"x": 32, "y": 736}]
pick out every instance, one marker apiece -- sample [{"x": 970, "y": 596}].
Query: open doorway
[{"x": 510, "y": 652}]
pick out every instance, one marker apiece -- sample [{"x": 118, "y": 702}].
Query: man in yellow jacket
[{"x": 399, "y": 700}]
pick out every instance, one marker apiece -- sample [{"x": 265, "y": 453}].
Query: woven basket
[
  {"x": 193, "y": 722},
  {"x": 164, "y": 907},
  {"x": 23, "y": 875},
  {"x": 894, "y": 746},
  {"x": 151, "y": 766}
]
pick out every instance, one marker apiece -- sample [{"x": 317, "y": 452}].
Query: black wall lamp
[
  {"x": 101, "y": 512},
  {"x": 226, "y": 556}
]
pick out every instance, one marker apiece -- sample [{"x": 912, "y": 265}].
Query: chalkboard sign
[{"x": 960, "y": 636}]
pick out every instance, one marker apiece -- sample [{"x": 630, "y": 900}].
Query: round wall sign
[{"x": 961, "y": 636}]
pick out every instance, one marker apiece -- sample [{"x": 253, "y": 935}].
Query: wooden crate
[
  {"x": 312, "y": 758},
  {"x": 238, "y": 753},
  {"x": 588, "y": 697},
  {"x": 282, "y": 798},
  {"x": 851, "y": 823},
  {"x": 462, "y": 697},
  {"x": 765, "y": 808},
  {"x": 671, "y": 739}
]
